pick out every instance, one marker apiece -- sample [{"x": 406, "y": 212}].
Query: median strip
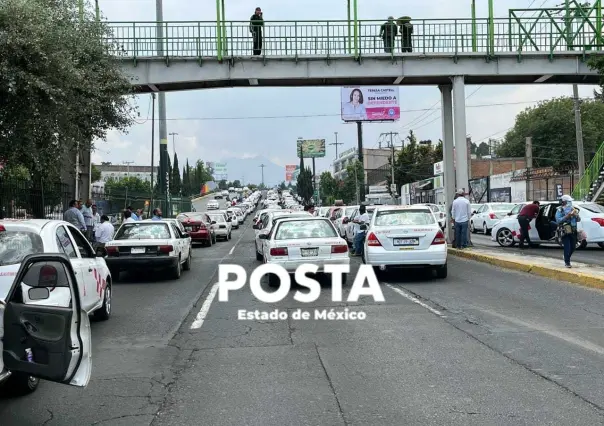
[{"x": 581, "y": 274}]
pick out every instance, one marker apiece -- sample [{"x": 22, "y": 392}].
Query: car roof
[
  {"x": 35, "y": 225},
  {"x": 402, "y": 208}
]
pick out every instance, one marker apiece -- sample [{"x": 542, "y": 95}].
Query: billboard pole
[{"x": 360, "y": 154}]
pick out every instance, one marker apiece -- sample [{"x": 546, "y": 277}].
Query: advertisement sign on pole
[
  {"x": 289, "y": 172},
  {"x": 370, "y": 103},
  {"x": 439, "y": 168},
  {"x": 220, "y": 171},
  {"x": 311, "y": 148}
]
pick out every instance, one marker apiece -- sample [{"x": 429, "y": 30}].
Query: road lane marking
[
  {"x": 415, "y": 300},
  {"x": 205, "y": 308}
]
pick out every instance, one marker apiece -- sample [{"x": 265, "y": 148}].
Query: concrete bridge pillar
[
  {"x": 448, "y": 141},
  {"x": 459, "y": 123}
]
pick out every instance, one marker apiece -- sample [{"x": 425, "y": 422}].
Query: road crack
[{"x": 331, "y": 386}]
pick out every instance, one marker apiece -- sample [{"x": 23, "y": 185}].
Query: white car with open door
[
  {"x": 146, "y": 245},
  {"x": 40, "y": 339},
  {"x": 405, "y": 237},
  {"x": 296, "y": 240}
]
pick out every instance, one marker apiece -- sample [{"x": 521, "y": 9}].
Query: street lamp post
[{"x": 262, "y": 166}]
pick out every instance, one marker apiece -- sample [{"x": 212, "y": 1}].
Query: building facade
[
  {"x": 375, "y": 163},
  {"x": 110, "y": 171}
]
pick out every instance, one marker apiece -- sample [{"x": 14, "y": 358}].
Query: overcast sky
[{"x": 215, "y": 124}]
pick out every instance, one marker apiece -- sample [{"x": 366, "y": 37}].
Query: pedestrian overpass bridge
[{"x": 543, "y": 48}]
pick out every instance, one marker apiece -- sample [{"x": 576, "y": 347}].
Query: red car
[{"x": 199, "y": 228}]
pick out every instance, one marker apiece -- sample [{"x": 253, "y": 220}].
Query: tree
[
  {"x": 60, "y": 85},
  {"x": 351, "y": 186},
  {"x": 222, "y": 184},
  {"x": 415, "y": 162},
  {"x": 304, "y": 185},
  {"x": 282, "y": 185},
  {"x": 176, "y": 185},
  {"x": 551, "y": 124},
  {"x": 328, "y": 188},
  {"x": 131, "y": 184},
  {"x": 95, "y": 173},
  {"x": 237, "y": 183}
]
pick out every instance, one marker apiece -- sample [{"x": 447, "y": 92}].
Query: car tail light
[
  {"x": 112, "y": 250},
  {"x": 598, "y": 220},
  {"x": 372, "y": 240},
  {"x": 48, "y": 276},
  {"x": 279, "y": 251},
  {"x": 440, "y": 238},
  {"x": 2, "y": 228},
  {"x": 492, "y": 215},
  {"x": 339, "y": 249},
  {"x": 165, "y": 249}
]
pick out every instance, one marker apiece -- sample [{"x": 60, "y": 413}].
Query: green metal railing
[
  {"x": 544, "y": 32},
  {"x": 592, "y": 173}
]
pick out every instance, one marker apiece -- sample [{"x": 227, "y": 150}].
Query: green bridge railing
[
  {"x": 592, "y": 172},
  {"x": 550, "y": 31}
]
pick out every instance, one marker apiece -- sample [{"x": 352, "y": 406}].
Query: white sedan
[
  {"x": 299, "y": 240},
  {"x": 223, "y": 225},
  {"x": 405, "y": 236},
  {"x": 149, "y": 245},
  {"x": 213, "y": 205}
]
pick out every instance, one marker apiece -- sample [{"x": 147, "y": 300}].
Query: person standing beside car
[
  {"x": 461, "y": 212},
  {"x": 566, "y": 218},
  {"x": 527, "y": 213},
  {"x": 103, "y": 234},
  {"x": 361, "y": 223}
]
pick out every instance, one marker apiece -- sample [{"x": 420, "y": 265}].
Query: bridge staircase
[{"x": 591, "y": 185}]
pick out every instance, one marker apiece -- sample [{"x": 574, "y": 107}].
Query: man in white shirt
[
  {"x": 461, "y": 211},
  {"x": 128, "y": 217},
  {"x": 360, "y": 222},
  {"x": 103, "y": 233}
]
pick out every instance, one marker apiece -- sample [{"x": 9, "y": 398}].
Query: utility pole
[
  {"x": 163, "y": 130},
  {"x": 97, "y": 10},
  {"x": 152, "y": 147},
  {"x": 336, "y": 143},
  {"x": 173, "y": 145},
  {"x": 262, "y": 166},
  {"x": 127, "y": 163},
  {"x": 579, "y": 131},
  {"x": 529, "y": 165}
]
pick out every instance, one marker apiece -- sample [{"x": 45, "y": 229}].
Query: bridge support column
[
  {"x": 448, "y": 142},
  {"x": 459, "y": 120}
]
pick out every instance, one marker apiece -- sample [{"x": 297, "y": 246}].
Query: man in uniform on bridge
[{"x": 256, "y": 24}]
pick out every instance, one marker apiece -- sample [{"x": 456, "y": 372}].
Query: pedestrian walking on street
[
  {"x": 527, "y": 213},
  {"x": 406, "y": 32},
  {"x": 388, "y": 33},
  {"x": 566, "y": 218},
  {"x": 256, "y": 25},
  {"x": 360, "y": 224},
  {"x": 74, "y": 216},
  {"x": 461, "y": 212}
]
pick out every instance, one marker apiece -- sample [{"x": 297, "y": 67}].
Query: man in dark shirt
[
  {"x": 256, "y": 24},
  {"x": 527, "y": 213},
  {"x": 388, "y": 33}
]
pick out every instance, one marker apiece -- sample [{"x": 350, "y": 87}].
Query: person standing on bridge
[
  {"x": 406, "y": 31},
  {"x": 388, "y": 33},
  {"x": 256, "y": 25}
]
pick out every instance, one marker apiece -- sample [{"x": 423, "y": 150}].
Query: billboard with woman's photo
[{"x": 370, "y": 103}]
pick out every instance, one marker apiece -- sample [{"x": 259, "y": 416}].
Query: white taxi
[
  {"x": 266, "y": 223},
  {"x": 19, "y": 238},
  {"x": 223, "y": 225},
  {"x": 33, "y": 327},
  {"x": 213, "y": 205},
  {"x": 149, "y": 245},
  {"x": 405, "y": 236},
  {"x": 296, "y": 240}
]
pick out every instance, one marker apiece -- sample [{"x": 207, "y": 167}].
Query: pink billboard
[
  {"x": 289, "y": 172},
  {"x": 370, "y": 103}
]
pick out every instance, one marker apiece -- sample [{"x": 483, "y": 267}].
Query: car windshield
[
  {"x": 503, "y": 208},
  {"x": 404, "y": 217},
  {"x": 218, "y": 218},
  {"x": 143, "y": 231},
  {"x": 15, "y": 245},
  {"x": 304, "y": 229},
  {"x": 592, "y": 207}
]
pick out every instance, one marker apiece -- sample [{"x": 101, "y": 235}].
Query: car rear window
[
  {"x": 502, "y": 207},
  {"x": 592, "y": 207},
  {"x": 218, "y": 218},
  {"x": 404, "y": 217},
  {"x": 304, "y": 229},
  {"x": 15, "y": 245},
  {"x": 143, "y": 231}
]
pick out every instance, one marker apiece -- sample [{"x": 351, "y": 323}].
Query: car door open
[{"x": 50, "y": 342}]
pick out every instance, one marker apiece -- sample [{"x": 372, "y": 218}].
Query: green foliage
[
  {"x": 60, "y": 84},
  {"x": 222, "y": 185},
  {"x": 328, "y": 188},
  {"x": 551, "y": 124},
  {"x": 130, "y": 184},
  {"x": 282, "y": 185},
  {"x": 176, "y": 184},
  {"x": 237, "y": 184},
  {"x": 95, "y": 174},
  {"x": 304, "y": 187},
  {"x": 415, "y": 162},
  {"x": 596, "y": 63},
  {"x": 352, "y": 184}
]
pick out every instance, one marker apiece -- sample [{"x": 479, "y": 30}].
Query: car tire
[
  {"x": 259, "y": 256},
  {"x": 104, "y": 312},
  {"x": 441, "y": 272},
  {"x": 19, "y": 384},
  {"x": 177, "y": 271},
  {"x": 472, "y": 228},
  {"x": 581, "y": 245},
  {"x": 187, "y": 264},
  {"x": 505, "y": 238}
]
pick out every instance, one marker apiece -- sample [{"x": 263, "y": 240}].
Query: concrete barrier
[
  {"x": 563, "y": 274},
  {"x": 201, "y": 198}
]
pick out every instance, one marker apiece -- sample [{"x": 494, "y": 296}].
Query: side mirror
[
  {"x": 332, "y": 218},
  {"x": 510, "y": 213},
  {"x": 473, "y": 211},
  {"x": 345, "y": 220},
  {"x": 213, "y": 222},
  {"x": 263, "y": 236},
  {"x": 255, "y": 226},
  {"x": 38, "y": 293}
]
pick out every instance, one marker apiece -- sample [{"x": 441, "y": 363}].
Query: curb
[
  {"x": 579, "y": 278},
  {"x": 200, "y": 198}
]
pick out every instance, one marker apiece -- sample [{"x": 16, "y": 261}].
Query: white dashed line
[
  {"x": 415, "y": 300},
  {"x": 232, "y": 250}
]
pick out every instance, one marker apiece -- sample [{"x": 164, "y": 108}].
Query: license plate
[
  {"x": 137, "y": 250},
  {"x": 405, "y": 241},
  {"x": 309, "y": 252}
]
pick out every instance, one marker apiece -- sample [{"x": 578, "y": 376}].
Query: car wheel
[
  {"x": 104, "y": 312},
  {"x": 177, "y": 271},
  {"x": 259, "y": 256},
  {"x": 485, "y": 229},
  {"x": 505, "y": 238},
  {"x": 472, "y": 228},
  {"x": 20, "y": 384},
  {"x": 187, "y": 265},
  {"x": 581, "y": 244},
  {"x": 441, "y": 272}
]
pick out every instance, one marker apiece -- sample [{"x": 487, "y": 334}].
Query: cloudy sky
[{"x": 218, "y": 124}]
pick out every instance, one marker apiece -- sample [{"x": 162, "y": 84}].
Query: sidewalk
[{"x": 581, "y": 273}]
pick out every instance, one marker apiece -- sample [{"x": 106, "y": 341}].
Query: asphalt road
[
  {"x": 592, "y": 254},
  {"x": 485, "y": 346}
]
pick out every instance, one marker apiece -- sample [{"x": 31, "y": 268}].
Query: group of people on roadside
[
  {"x": 97, "y": 228},
  {"x": 129, "y": 215}
]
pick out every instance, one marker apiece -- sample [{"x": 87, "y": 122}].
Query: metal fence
[
  {"x": 115, "y": 202},
  {"x": 27, "y": 199}
]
